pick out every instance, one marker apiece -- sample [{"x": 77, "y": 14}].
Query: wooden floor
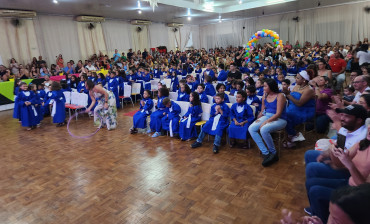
[{"x": 114, "y": 177}]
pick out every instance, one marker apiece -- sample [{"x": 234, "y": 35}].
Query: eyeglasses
[{"x": 357, "y": 82}]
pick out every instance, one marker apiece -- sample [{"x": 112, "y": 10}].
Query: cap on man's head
[{"x": 354, "y": 110}]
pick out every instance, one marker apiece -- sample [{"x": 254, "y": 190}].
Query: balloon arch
[{"x": 252, "y": 43}]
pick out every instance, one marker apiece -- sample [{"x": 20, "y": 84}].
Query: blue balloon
[
  {"x": 257, "y": 57},
  {"x": 263, "y": 34}
]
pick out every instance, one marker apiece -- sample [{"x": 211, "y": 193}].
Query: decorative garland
[
  {"x": 87, "y": 136},
  {"x": 252, "y": 43}
]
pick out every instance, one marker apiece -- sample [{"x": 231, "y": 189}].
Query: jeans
[
  {"x": 322, "y": 123},
  {"x": 340, "y": 80},
  {"x": 202, "y": 134},
  {"x": 266, "y": 131},
  {"x": 321, "y": 180}
]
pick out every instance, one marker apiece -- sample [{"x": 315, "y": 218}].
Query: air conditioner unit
[
  {"x": 91, "y": 19},
  {"x": 177, "y": 25},
  {"x": 17, "y": 13},
  {"x": 140, "y": 22}
]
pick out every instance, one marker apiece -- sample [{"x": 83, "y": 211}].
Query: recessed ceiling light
[
  {"x": 240, "y": 2},
  {"x": 55, "y": 1},
  {"x": 189, "y": 18},
  {"x": 139, "y": 11}
]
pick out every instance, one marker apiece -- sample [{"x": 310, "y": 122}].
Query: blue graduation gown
[
  {"x": 203, "y": 97},
  {"x": 156, "y": 116},
  {"x": 259, "y": 91},
  {"x": 172, "y": 114},
  {"x": 246, "y": 113},
  {"x": 146, "y": 83},
  {"x": 81, "y": 88},
  {"x": 223, "y": 122},
  {"x": 226, "y": 99},
  {"x": 193, "y": 85},
  {"x": 157, "y": 73},
  {"x": 232, "y": 92},
  {"x": 222, "y": 77},
  {"x": 139, "y": 119},
  {"x": 293, "y": 70},
  {"x": 182, "y": 96},
  {"x": 252, "y": 100},
  {"x": 102, "y": 81},
  {"x": 174, "y": 83},
  {"x": 210, "y": 89},
  {"x": 193, "y": 115},
  {"x": 37, "y": 101},
  {"x": 59, "y": 103},
  {"x": 113, "y": 87},
  {"x": 28, "y": 113},
  {"x": 210, "y": 73},
  {"x": 16, "y": 111}
]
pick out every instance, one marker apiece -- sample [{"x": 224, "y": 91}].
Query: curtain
[
  {"x": 117, "y": 35},
  {"x": 184, "y": 33},
  {"x": 91, "y": 40},
  {"x": 158, "y": 35},
  {"x": 139, "y": 39},
  {"x": 18, "y": 42},
  {"x": 57, "y": 35},
  {"x": 173, "y": 39}
]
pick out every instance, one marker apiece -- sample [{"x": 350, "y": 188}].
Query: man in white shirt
[
  {"x": 361, "y": 84},
  {"x": 90, "y": 67},
  {"x": 363, "y": 55}
]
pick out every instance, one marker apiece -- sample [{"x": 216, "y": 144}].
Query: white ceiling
[{"x": 168, "y": 10}]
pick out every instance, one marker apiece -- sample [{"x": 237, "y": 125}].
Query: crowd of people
[{"x": 277, "y": 89}]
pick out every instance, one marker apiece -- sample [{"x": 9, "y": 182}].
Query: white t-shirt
[
  {"x": 91, "y": 68},
  {"x": 358, "y": 95},
  {"x": 353, "y": 137},
  {"x": 363, "y": 57}
]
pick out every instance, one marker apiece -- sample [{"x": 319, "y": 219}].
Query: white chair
[
  {"x": 232, "y": 99},
  {"x": 210, "y": 99},
  {"x": 173, "y": 95},
  {"x": 153, "y": 108},
  {"x": 179, "y": 77},
  {"x": 126, "y": 94},
  {"x": 206, "y": 114},
  {"x": 184, "y": 107},
  {"x": 214, "y": 84},
  {"x": 78, "y": 101},
  {"x": 67, "y": 95},
  {"x": 136, "y": 89},
  {"x": 168, "y": 83},
  {"x": 154, "y": 85}
]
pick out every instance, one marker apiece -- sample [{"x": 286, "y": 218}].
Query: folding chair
[
  {"x": 126, "y": 94},
  {"x": 154, "y": 85},
  {"x": 136, "y": 89},
  {"x": 168, "y": 83}
]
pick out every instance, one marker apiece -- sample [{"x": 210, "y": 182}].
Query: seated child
[
  {"x": 202, "y": 94},
  {"x": 156, "y": 116},
  {"x": 217, "y": 123},
  {"x": 348, "y": 93},
  {"x": 242, "y": 116},
  {"x": 191, "y": 83},
  {"x": 221, "y": 89},
  {"x": 259, "y": 87},
  {"x": 252, "y": 98},
  {"x": 233, "y": 87},
  {"x": 188, "y": 121},
  {"x": 285, "y": 84},
  {"x": 146, "y": 105},
  {"x": 171, "y": 118},
  {"x": 209, "y": 88},
  {"x": 184, "y": 91},
  {"x": 239, "y": 86}
]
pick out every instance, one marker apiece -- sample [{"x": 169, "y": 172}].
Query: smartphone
[{"x": 341, "y": 141}]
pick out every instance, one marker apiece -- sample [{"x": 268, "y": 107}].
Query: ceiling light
[
  {"x": 139, "y": 11},
  {"x": 219, "y": 19},
  {"x": 189, "y": 18},
  {"x": 55, "y": 1},
  {"x": 189, "y": 12},
  {"x": 240, "y": 2},
  {"x": 138, "y": 4}
]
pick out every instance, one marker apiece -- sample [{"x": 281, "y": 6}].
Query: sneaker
[
  {"x": 196, "y": 145},
  {"x": 270, "y": 160},
  {"x": 215, "y": 149},
  {"x": 308, "y": 211},
  {"x": 289, "y": 144},
  {"x": 298, "y": 138},
  {"x": 149, "y": 131},
  {"x": 156, "y": 134}
]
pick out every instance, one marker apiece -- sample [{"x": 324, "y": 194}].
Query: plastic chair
[
  {"x": 184, "y": 107},
  {"x": 210, "y": 99},
  {"x": 126, "y": 94},
  {"x": 67, "y": 95},
  {"x": 232, "y": 99},
  {"x": 173, "y": 95},
  {"x": 78, "y": 101},
  {"x": 206, "y": 108},
  {"x": 136, "y": 89},
  {"x": 168, "y": 83}
]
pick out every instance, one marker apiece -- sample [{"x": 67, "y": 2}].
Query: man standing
[
  {"x": 116, "y": 55},
  {"x": 338, "y": 66},
  {"x": 233, "y": 73}
]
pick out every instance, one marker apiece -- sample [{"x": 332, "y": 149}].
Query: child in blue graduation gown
[
  {"x": 16, "y": 111},
  {"x": 209, "y": 88},
  {"x": 113, "y": 87},
  {"x": 184, "y": 92},
  {"x": 259, "y": 87},
  {"x": 37, "y": 104},
  {"x": 241, "y": 115},
  {"x": 198, "y": 71},
  {"x": 170, "y": 121},
  {"x": 157, "y": 72},
  {"x": 191, "y": 83},
  {"x": 156, "y": 116},
  {"x": 131, "y": 77},
  {"x": 252, "y": 98},
  {"x": 217, "y": 123},
  {"x": 119, "y": 78},
  {"x": 146, "y": 79},
  {"x": 59, "y": 110},
  {"x": 146, "y": 105},
  {"x": 202, "y": 94},
  {"x": 174, "y": 81},
  {"x": 221, "y": 89},
  {"x": 187, "y": 127},
  {"x": 26, "y": 111},
  {"x": 100, "y": 79},
  {"x": 222, "y": 74}
]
